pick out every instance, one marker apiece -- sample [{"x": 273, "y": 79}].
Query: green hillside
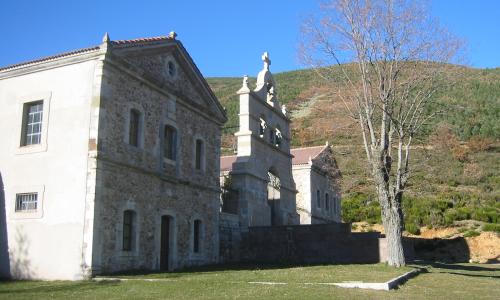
[{"x": 456, "y": 160}]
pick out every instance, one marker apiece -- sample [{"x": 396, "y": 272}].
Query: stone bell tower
[{"x": 262, "y": 172}]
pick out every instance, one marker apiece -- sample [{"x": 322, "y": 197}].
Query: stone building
[
  {"x": 317, "y": 176},
  {"x": 109, "y": 162}
]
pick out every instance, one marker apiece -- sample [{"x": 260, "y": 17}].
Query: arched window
[
  {"x": 134, "y": 127},
  {"x": 170, "y": 143},
  {"x": 327, "y": 202},
  {"x": 199, "y": 154},
  {"x": 197, "y": 236},
  {"x": 278, "y": 138},
  {"x": 128, "y": 230},
  {"x": 318, "y": 199},
  {"x": 262, "y": 127},
  {"x": 272, "y": 134}
]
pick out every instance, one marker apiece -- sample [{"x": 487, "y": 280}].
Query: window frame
[
  {"x": 129, "y": 230},
  {"x": 327, "y": 202},
  {"x": 197, "y": 226},
  {"x": 37, "y": 213},
  {"x": 199, "y": 243},
  {"x": 174, "y": 139},
  {"x": 23, "y": 103},
  {"x": 134, "y": 136},
  {"x": 127, "y": 112},
  {"x": 199, "y": 156},
  {"x": 27, "y": 134}
]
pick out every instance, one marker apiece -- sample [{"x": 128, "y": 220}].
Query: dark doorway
[{"x": 165, "y": 242}]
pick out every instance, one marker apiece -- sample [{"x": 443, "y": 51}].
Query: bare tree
[{"x": 384, "y": 58}]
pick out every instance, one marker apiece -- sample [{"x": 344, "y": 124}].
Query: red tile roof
[
  {"x": 301, "y": 156},
  {"x": 143, "y": 40},
  {"x": 226, "y": 162},
  {"x": 52, "y": 57},
  {"x": 90, "y": 49}
]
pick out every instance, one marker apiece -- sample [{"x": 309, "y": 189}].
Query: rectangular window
[
  {"x": 318, "y": 199},
  {"x": 32, "y": 123},
  {"x": 199, "y": 154},
  {"x": 327, "y": 202},
  {"x": 26, "y": 202},
  {"x": 170, "y": 139},
  {"x": 196, "y": 236},
  {"x": 134, "y": 127},
  {"x": 127, "y": 229}
]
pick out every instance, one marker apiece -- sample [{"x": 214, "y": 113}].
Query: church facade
[
  {"x": 110, "y": 163},
  {"x": 268, "y": 183}
]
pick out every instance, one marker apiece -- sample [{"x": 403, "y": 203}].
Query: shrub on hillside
[
  {"x": 479, "y": 144},
  {"x": 443, "y": 137},
  {"x": 491, "y": 227},
  {"x": 471, "y": 233},
  {"x": 360, "y": 207},
  {"x": 412, "y": 228},
  {"x": 460, "y": 153}
]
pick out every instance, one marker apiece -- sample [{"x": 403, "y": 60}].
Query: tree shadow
[
  {"x": 443, "y": 250},
  {"x": 461, "y": 269},
  {"x": 215, "y": 268},
  {"x": 20, "y": 264},
  {"x": 4, "y": 241}
]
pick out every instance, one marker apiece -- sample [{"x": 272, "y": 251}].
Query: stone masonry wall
[
  {"x": 230, "y": 238},
  {"x": 323, "y": 243},
  {"x": 136, "y": 178}
]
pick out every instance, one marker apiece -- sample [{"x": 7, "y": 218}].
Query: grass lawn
[{"x": 452, "y": 281}]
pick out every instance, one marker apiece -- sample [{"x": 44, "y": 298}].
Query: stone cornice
[{"x": 158, "y": 174}]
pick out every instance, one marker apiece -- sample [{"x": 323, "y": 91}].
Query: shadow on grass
[
  {"x": 54, "y": 287},
  {"x": 207, "y": 269},
  {"x": 460, "y": 269}
]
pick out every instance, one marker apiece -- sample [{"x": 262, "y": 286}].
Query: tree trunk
[{"x": 392, "y": 219}]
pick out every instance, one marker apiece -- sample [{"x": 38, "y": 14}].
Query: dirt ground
[{"x": 484, "y": 248}]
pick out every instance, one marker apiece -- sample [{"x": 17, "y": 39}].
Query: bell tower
[{"x": 263, "y": 154}]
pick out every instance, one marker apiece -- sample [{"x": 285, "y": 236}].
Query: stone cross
[{"x": 266, "y": 60}]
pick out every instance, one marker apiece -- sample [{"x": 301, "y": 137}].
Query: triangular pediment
[{"x": 169, "y": 66}]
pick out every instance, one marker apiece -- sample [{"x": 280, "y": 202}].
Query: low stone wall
[
  {"x": 229, "y": 238},
  {"x": 310, "y": 244}
]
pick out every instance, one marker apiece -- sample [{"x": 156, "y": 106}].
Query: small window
[
  {"x": 278, "y": 138},
  {"x": 318, "y": 199},
  {"x": 170, "y": 143},
  {"x": 271, "y": 136},
  {"x": 327, "y": 202},
  {"x": 26, "y": 202},
  {"x": 32, "y": 123},
  {"x": 196, "y": 236},
  {"x": 171, "y": 69},
  {"x": 134, "y": 127},
  {"x": 199, "y": 157},
  {"x": 128, "y": 229},
  {"x": 262, "y": 127}
]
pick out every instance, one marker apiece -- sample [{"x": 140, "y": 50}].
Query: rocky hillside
[{"x": 456, "y": 160}]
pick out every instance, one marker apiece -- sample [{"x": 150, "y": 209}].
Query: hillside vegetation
[{"x": 456, "y": 160}]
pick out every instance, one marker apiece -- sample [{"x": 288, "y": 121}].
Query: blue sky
[{"x": 225, "y": 38}]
